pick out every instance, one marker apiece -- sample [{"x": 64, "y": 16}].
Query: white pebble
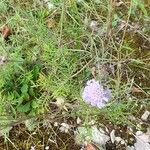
[
  {"x": 79, "y": 120},
  {"x": 145, "y": 137},
  {"x": 47, "y": 148},
  {"x": 145, "y": 116},
  {"x": 139, "y": 133},
  {"x": 130, "y": 130},
  {"x": 64, "y": 127},
  {"x": 131, "y": 139},
  {"x": 131, "y": 117},
  {"x": 49, "y": 4},
  {"x": 118, "y": 139},
  {"x": 55, "y": 124},
  {"x": 122, "y": 142},
  {"x": 112, "y": 136},
  {"x": 92, "y": 122},
  {"x": 130, "y": 148},
  {"x": 32, "y": 148}
]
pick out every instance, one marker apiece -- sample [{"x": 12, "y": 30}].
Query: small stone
[
  {"x": 141, "y": 123},
  {"x": 145, "y": 137},
  {"x": 145, "y": 116},
  {"x": 99, "y": 137},
  {"x": 32, "y": 148},
  {"x": 60, "y": 101},
  {"x": 55, "y": 124},
  {"x": 139, "y": 133},
  {"x": 142, "y": 140},
  {"x": 64, "y": 127},
  {"x": 47, "y": 148},
  {"x": 130, "y": 130},
  {"x": 33, "y": 133},
  {"x": 118, "y": 139},
  {"x": 131, "y": 139},
  {"x": 132, "y": 118},
  {"x": 112, "y": 136},
  {"x": 122, "y": 142},
  {"x": 79, "y": 120},
  {"x": 92, "y": 122},
  {"x": 130, "y": 148},
  {"x": 117, "y": 38}
]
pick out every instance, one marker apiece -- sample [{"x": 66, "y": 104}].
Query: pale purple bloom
[{"x": 95, "y": 94}]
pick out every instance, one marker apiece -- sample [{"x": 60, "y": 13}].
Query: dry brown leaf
[
  {"x": 89, "y": 147},
  {"x": 136, "y": 90},
  {"x": 5, "y": 30},
  {"x": 51, "y": 23}
]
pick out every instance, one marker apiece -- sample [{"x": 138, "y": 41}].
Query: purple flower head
[{"x": 95, "y": 94}]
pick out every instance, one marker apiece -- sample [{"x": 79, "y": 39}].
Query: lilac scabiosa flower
[{"x": 95, "y": 94}]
